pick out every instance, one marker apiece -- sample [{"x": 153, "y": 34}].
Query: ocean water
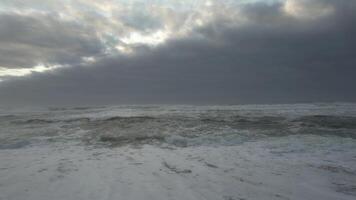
[
  {"x": 289, "y": 151},
  {"x": 173, "y": 125}
]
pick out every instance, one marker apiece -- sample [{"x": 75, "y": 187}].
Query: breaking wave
[{"x": 173, "y": 125}]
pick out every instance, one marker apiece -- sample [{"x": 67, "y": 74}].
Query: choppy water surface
[
  {"x": 179, "y": 126},
  {"x": 301, "y": 151}
]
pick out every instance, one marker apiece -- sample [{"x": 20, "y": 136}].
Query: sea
[{"x": 280, "y": 151}]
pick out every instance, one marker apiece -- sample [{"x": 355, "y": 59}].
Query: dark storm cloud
[
  {"x": 273, "y": 57},
  {"x": 29, "y": 40}
]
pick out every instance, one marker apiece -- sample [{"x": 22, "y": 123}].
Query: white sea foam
[{"x": 303, "y": 151}]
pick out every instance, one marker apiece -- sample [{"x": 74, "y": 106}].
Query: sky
[{"x": 76, "y": 52}]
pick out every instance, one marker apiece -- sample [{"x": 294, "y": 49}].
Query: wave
[
  {"x": 186, "y": 131},
  {"x": 238, "y": 121},
  {"x": 179, "y": 126},
  {"x": 328, "y": 121},
  {"x": 74, "y": 108}
]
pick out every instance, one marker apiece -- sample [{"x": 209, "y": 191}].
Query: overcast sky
[{"x": 186, "y": 52}]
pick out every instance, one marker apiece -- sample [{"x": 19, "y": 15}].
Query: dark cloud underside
[{"x": 271, "y": 56}]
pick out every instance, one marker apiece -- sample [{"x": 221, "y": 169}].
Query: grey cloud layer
[
  {"x": 26, "y": 41},
  {"x": 262, "y": 55},
  {"x": 46, "y": 32}
]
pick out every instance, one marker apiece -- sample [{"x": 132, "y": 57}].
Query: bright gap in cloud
[
  {"x": 306, "y": 9},
  {"x": 26, "y": 71},
  {"x": 149, "y": 39}
]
